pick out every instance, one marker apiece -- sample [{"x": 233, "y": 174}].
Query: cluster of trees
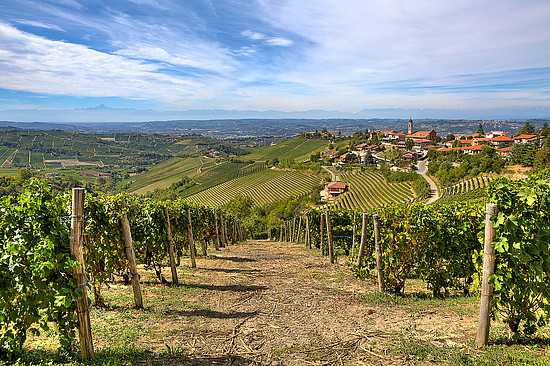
[{"x": 450, "y": 167}]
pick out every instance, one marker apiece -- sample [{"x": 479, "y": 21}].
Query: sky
[{"x": 282, "y": 55}]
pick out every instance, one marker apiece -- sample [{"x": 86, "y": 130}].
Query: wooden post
[
  {"x": 378, "y": 250},
  {"x": 234, "y": 232},
  {"x": 293, "y": 231},
  {"x": 224, "y": 229},
  {"x": 329, "y": 239},
  {"x": 131, "y": 256},
  {"x": 353, "y": 236},
  {"x": 361, "y": 251},
  {"x": 308, "y": 233},
  {"x": 171, "y": 249},
  {"x": 192, "y": 250},
  {"x": 484, "y": 324},
  {"x": 217, "y": 238},
  {"x": 322, "y": 234},
  {"x": 299, "y": 230},
  {"x": 82, "y": 309}
]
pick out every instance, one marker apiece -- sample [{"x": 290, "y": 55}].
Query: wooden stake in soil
[
  {"x": 488, "y": 269},
  {"x": 299, "y": 230},
  {"x": 363, "y": 241},
  {"x": 82, "y": 310},
  {"x": 378, "y": 250},
  {"x": 131, "y": 256},
  {"x": 308, "y": 233},
  {"x": 171, "y": 249},
  {"x": 353, "y": 236},
  {"x": 329, "y": 239},
  {"x": 192, "y": 250},
  {"x": 321, "y": 246},
  {"x": 293, "y": 231},
  {"x": 217, "y": 238}
]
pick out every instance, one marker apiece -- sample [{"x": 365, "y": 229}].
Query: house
[
  {"x": 424, "y": 135},
  {"x": 400, "y": 136},
  {"x": 505, "y": 152},
  {"x": 410, "y": 156},
  {"x": 525, "y": 139},
  {"x": 500, "y": 141},
  {"x": 476, "y": 141},
  {"x": 472, "y": 150},
  {"x": 494, "y": 134},
  {"x": 335, "y": 188},
  {"x": 331, "y": 154},
  {"x": 51, "y": 175}
]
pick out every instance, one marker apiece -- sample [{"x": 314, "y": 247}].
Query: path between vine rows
[{"x": 270, "y": 303}]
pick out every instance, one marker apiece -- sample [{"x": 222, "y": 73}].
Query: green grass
[
  {"x": 164, "y": 174},
  {"x": 298, "y": 147}
]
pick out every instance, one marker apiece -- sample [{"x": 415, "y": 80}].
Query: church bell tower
[{"x": 411, "y": 128}]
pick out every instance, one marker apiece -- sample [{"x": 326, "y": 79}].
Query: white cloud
[
  {"x": 34, "y": 64},
  {"x": 276, "y": 41},
  {"x": 272, "y": 41},
  {"x": 33, "y": 23},
  {"x": 253, "y": 35}
]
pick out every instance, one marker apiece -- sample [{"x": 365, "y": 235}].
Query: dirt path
[
  {"x": 434, "y": 194},
  {"x": 267, "y": 303}
]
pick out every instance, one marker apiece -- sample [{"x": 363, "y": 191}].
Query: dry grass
[{"x": 266, "y": 303}]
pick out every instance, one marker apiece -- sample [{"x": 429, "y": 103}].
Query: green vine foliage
[
  {"x": 36, "y": 284},
  {"x": 522, "y": 261}
]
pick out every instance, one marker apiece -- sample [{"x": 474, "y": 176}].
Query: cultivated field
[
  {"x": 265, "y": 186},
  {"x": 369, "y": 189}
]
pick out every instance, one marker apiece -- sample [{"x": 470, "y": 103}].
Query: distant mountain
[{"x": 102, "y": 113}]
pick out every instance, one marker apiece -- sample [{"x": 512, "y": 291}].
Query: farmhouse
[{"x": 335, "y": 188}]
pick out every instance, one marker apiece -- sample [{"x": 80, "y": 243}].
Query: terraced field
[
  {"x": 264, "y": 187},
  {"x": 369, "y": 189},
  {"x": 298, "y": 147},
  {"x": 168, "y": 172},
  {"x": 469, "y": 189}
]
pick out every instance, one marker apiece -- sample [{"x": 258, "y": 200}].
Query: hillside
[
  {"x": 264, "y": 187},
  {"x": 369, "y": 189},
  {"x": 297, "y": 147}
]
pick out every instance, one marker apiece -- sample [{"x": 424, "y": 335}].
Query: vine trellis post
[
  {"x": 217, "y": 238},
  {"x": 171, "y": 248},
  {"x": 192, "y": 250},
  {"x": 131, "y": 255},
  {"x": 378, "y": 250},
  {"x": 82, "y": 308},
  {"x": 329, "y": 239},
  {"x": 484, "y": 324},
  {"x": 361, "y": 250},
  {"x": 321, "y": 232}
]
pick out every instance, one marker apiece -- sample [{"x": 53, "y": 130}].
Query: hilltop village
[{"x": 410, "y": 146}]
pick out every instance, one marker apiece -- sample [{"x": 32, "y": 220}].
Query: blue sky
[{"x": 344, "y": 55}]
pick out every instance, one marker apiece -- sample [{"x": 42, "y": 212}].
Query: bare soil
[{"x": 270, "y": 303}]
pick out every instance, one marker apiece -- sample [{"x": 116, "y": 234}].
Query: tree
[
  {"x": 450, "y": 137},
  {"x": 542, "y": 159},
  {"x": 527, "y": 129},
  {"x": 241, "y": 205},
  {"x": 523, "y": 154},
  {"x": 409, "y": 144},
  {"x": 315, "y": 157},
  {"x": 480, "y": 130}
]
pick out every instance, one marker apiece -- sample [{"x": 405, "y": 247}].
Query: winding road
[{"x": 434, "y": 193}]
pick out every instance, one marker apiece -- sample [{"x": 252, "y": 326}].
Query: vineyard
[
  {"x": 467, "y": 190},
  {"x": 264, "y": 187},
  {"x": 369, "y": 189},
  {"x": 438, "y": 245},
  {"x": 167, "y": 173},
  {"x": 297, "y": 147}
]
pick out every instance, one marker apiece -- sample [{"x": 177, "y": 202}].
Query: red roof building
[{"x": 335, "y": 188}]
